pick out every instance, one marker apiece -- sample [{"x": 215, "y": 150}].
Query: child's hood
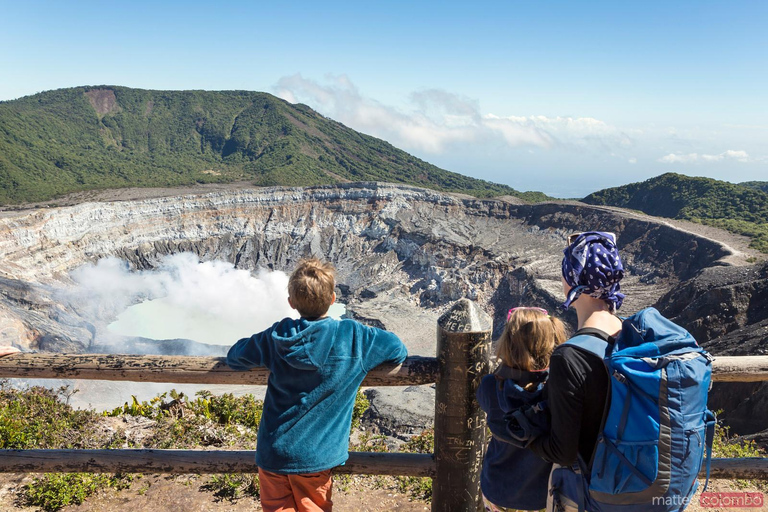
[
  {"x": 304, "y": 344},
  {"x": 510, "y": 391}
]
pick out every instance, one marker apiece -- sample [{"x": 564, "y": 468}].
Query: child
[
  {"x": 512, "y": 477},
  {"x": 316, "y": 365}
]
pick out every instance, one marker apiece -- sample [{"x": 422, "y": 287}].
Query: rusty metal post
[{"x": 463, "y": 349}]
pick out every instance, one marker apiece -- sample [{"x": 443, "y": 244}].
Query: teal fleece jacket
[{"x": 315, "y": 369}]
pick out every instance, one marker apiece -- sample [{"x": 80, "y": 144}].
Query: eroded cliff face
[{"x": 403, "y": 253}]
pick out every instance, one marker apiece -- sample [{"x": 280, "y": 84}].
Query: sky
[{"x": 558, "y": 96}]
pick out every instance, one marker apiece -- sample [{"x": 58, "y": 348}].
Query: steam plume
[{"x": 209, "y": 302}]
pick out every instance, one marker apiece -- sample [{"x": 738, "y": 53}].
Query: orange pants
[{"x": 296, "y": 493}]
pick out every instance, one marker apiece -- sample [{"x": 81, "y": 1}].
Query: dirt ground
[
  {"x": 184, "y": 493},
  {"x": 727, "y": 486}
]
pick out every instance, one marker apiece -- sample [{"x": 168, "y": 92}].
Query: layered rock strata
[{"x": 394, "y": 245}]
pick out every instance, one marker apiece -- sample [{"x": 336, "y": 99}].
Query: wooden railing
[{"x": 463, "y": 348}]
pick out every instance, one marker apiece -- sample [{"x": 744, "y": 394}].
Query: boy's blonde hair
[
  {"x": 529, "y": 338},
  {"x": 310, "y": 287}
]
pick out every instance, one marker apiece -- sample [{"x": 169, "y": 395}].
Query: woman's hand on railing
[{"x": 8, "y": 350}]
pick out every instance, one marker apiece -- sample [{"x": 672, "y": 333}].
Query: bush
[
  {"x": 40, "y": 418},
  {"x": 233, "y": 486},
  {"x": 422, "y": 443},
  {"x": 729, "y": 446},
  {"x": 57, "y": 490},
  {"x": 228, "y": 409},
  {"x": 361, "y": 405},
  {"x": 414, "y": 486}
]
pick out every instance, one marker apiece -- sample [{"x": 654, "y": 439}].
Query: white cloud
[
  {"x": 632, "y": 160},
  {"x": 739, "y": 156},
  {"x": 675, "y": 158},
  {"x": 439, "y": 120}
]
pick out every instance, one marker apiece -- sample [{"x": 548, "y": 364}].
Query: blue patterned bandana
[{"x": 592, "y": 265}]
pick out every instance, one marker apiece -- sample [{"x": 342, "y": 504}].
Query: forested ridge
[
  {"x": 760, "y": 185},
  {"x": 741, "y": 208},
  {"x": 82, "y": 138}
]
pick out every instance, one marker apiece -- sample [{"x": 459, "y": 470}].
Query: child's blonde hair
[
  {"x": 310, "y": 287},
  {"x": 529, "y": 338}
]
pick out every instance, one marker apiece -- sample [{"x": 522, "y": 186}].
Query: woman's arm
[{"x": 565, "y": 396}]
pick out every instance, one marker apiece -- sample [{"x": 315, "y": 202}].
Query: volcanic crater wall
[{"x": 403, "y": 253}]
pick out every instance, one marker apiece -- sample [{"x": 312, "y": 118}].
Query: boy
[{"x": 316, "y": 365}]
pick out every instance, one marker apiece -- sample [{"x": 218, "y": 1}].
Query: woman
[{"x": 578, "y": 383}]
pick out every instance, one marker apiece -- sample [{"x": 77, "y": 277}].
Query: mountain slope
[
  {"x": 737, "y": 208},
  {"x": 760, "y": 185},
  {"x": 108, "y": 137}
]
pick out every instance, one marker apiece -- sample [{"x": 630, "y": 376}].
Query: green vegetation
[
  {"x": 225, "y": 409},
  {"x": 41, "y": 418},
  {"x": 361, "y": 405},
  {"x": 737, "y": 208},
  {"x": 56, "y": 490},
  {"x": 760, "y": 185},
  {"x": 418, "y": 487},
  {"x": 85, "y": 138},
  {"x": 233, "y": 486},
  {"x": 728, "y": 446}
]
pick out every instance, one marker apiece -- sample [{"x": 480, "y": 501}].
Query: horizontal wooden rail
[
  {"x": 751, "y": 468},
  {"x": 740, "y": 368},
  {"x": 242, "y": 461},
  {"x": 183, "y": 370},
  {"x": 213, "y": 370},
  {"x": 195, "y": 462}
]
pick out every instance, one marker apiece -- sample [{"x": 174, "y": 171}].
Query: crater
[{"x": 403, "y": 255}]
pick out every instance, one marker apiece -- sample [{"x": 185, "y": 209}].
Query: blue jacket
[
  {"x": 512, "y": 476},
  {"x": 315, "y": 368}
]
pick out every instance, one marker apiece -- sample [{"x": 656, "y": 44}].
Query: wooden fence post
[{"x": 463, "y": 349}]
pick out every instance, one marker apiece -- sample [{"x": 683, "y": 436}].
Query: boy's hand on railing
[{"x": 4, "y": 351}]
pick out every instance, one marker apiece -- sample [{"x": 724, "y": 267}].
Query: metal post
[{"x": 463, "y": 349}]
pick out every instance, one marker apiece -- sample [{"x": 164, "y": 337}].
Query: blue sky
[{"x": 562, "y": 97}]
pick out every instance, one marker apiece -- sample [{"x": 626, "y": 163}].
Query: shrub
[
  {"x": 228, "y": 409},
  {"x": 233, "y": 486},
  {"x": 54, "y": 491},
  {"x": 414, "y": 486},
  {"x": 729, "y": 446},
  {"x": 361, "y": 405},
  {"x": 38, "y": 418}
]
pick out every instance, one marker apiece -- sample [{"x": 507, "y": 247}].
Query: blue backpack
[{"x": 656, "y": 425}]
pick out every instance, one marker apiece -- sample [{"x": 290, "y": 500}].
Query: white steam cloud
[{"x": 209, "y": 302}]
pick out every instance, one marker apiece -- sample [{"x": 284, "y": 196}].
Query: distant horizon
[{"x": 560, "y": 98}]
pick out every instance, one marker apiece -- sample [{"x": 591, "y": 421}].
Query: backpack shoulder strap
[{"x": 592, "y": 340}]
